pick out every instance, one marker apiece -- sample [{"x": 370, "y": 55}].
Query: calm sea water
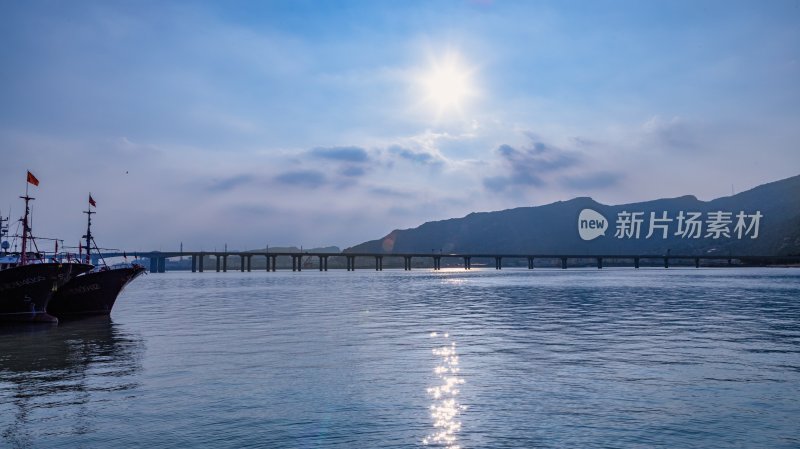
[{"x": 516, "y": 358}]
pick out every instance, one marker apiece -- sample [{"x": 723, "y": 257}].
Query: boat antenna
[{"x": 88, "y": 235}]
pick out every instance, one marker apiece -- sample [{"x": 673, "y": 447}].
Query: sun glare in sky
[{"x": 446, "y": 85}]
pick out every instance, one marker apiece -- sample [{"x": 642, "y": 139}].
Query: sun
[{"x": 446, "y": 85}]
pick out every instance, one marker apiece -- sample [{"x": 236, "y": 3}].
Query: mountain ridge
[{"x": 553, "y": 228}]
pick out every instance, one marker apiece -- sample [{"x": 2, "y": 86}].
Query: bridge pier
[
  {"x": 407, "y": 263},
  {"x": 563, "y": 263},
  {"x": 162, "y": 264},
  {"x": 241, "y": 263},
  {"x": 351, "y": 263},
  {"x": 200, "y": 262},
  {"x": 467, "y": 263},
  {"x": 498, "y": 263},
  {"x": 530, "y": 263},
  {"x": 378, "y": 263},
  {"x": 636, "y": 263},
  {"x": 224, "y": 263},
  {"x": 599, "y": 263},
  {"x": 697, "y": 262},
  {"x": 437, "y": 263},
  {"x": 194, "y": 263},
  {"x": 274, "y": 263},
  {"x": 154, "y": 265},
  {"x": 666, "y": 262}
]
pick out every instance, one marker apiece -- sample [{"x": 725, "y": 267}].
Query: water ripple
[{"x": 545, "y": 358}]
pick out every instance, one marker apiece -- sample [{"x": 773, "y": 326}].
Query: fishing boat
[
  {"x": 96, "y": 291},
  {"x": 26, "y": 288},
  {"x": 28, "y": 279}
]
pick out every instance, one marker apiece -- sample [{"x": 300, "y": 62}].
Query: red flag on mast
[
  {"x": 32, "y": 179},
  {"x": 91, "y": 201}
]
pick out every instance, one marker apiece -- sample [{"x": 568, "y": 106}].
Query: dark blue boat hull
[
  {"x": 92, "y": 293},
  {"x": 26, "y": 290}
]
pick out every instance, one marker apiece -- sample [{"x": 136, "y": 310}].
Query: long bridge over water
[{"x": 158, "y": 259}]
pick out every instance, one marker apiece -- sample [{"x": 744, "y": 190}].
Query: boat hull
[
  {"x": 92, "y": 293},
  {"x": 26, "y": 290}
]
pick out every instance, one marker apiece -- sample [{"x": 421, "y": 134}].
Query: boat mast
[
  {"x": 88, "y": 235},
  {"x": 25, "y": 229}
]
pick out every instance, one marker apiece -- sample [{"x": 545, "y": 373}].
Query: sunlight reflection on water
[{"x": 445, "y": 408}]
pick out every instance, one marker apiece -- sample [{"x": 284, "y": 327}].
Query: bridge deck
[{"x": 158, "y": 258}]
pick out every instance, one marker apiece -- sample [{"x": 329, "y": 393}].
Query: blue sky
[{"x": 332, "y": 123}]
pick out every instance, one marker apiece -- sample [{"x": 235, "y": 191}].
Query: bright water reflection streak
[{"x": 445, "y": 409}]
